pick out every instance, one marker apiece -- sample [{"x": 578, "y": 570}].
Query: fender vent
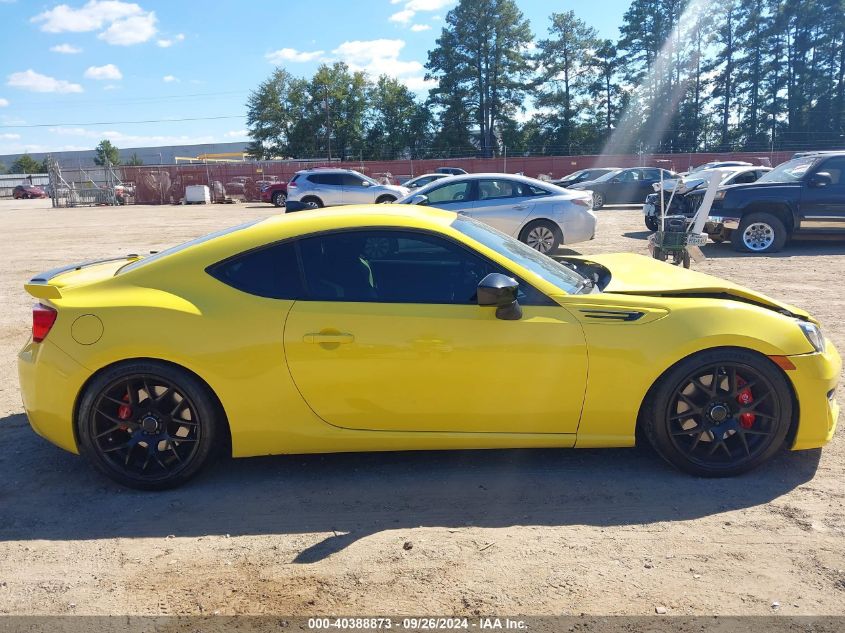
[{"x": 613, "y": 315}]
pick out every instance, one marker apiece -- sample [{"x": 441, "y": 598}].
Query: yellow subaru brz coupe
[{"x": 379, "y": 328}]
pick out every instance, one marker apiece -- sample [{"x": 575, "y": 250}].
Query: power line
[{"x": 206, "y": 118}]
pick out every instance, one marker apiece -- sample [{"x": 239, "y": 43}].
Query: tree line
[{"x": 683, "y": 76}]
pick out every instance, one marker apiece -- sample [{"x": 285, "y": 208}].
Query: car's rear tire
[
  {"x": 719, "y": 413},
  {"x": 279, "y": 199},
  {"x": 542, "y": 235},
  {"x": 759, "y": 233},
  {"x": 149, "y": 425},
  {"x": 312, "y": 202},
  {"x": 598, "y": 200},
  {"x": 651, "y": 223},
  {"x": 385, "y": 199}
]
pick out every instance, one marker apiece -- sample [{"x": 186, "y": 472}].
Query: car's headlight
[
  {"x": 813, "y": 334},
  {"x": 720, "y": 195}
]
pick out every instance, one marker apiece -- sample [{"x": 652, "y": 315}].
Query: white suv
[{"x": 315, "y": 188}]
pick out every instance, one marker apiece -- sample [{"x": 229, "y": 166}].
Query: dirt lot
[{"x": 502, "y": 532}]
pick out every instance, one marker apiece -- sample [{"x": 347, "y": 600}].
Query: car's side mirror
[
  {"x": 420, "y": 199},
  {"x": 821, "y": 179},
  {"x": 616, "y": 180},
  {"x": 365, "y": 183},
  {"x": 500, "y": 291}
]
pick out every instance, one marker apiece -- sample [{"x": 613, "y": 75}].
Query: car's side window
[
  {"x": 531, "y": 190},
  {"x": 834, "y": 167},
  {"x": 394, "y": 266},
  {"x": 271, "y": 271},
  {"x": 745, "y": 177},
  {"x": 351, "y": 180},
  {"x": 498, "y": 188},
  {"x": 453, "y": 192}
]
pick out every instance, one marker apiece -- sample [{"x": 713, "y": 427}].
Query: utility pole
[{"x": 328, "y": 126}]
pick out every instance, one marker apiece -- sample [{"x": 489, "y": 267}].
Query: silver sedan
[{"x": 541, "y": 214}]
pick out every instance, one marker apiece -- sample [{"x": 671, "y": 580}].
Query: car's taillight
[
  {"x": 291, "y": 185},
  {"x": 43, "y": 318},
  {"x": 584, "y": 202}
]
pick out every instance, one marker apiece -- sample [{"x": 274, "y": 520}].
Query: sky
[{"x": 75, "y": 72}]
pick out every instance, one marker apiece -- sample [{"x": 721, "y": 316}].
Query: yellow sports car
[{"x": 380, "y": 328}]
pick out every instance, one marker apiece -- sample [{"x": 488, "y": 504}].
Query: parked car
[
  {"x": 409, "y": 328},
  {"x": 321, "y": 187},
  {"x": 801, "y": 197},
  {"x": 275, "y": 193},
  {"x": 421, "y": 181},
  {"x": 450, "y": 171},
  {"x": 719, "y": 163},
  {"x": 538, "y": 213},
  {"x": 28, "y": 191},
  {"x": 687, "y": 199},
  {"x": 583, "y": 175},
  {"x": 623, "y": 186}
]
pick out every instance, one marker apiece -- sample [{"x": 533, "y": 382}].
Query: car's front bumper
[
  {"x": 815, "y": 379},
  {"x": 716, "y": 224},
  {"x": 50, "y": 381}
]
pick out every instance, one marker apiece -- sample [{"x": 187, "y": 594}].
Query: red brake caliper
[
  {"x": 746, "y": 420},
  {"x": 124, "y": 411}
]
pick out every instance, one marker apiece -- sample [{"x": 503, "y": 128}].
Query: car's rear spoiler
[{"x": 41, "y": 288}]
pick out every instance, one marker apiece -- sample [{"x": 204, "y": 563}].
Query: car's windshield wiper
[{"x": 585, "y": 284}]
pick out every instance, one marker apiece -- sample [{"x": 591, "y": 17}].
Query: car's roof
[
  {"x": 327, "y": 170},
  {"x": 217, "y": 246}
]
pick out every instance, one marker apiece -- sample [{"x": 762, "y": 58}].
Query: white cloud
[
  {"x": 404, "y": 16},
  {"x": 132, "y": 140},
  {"x": 169, "y": 79},
  {"x": 36, "y": 82},
  {"x": 416, "y": 28},
  {"x": 381, "y": 57},
  {"x": 7, "y": 136},
  {"x": 107, "y": 72},
  {"x": 3, "y": 102},
  {"x": 292, "y": 55},
  {"x": 66, "y": 49},
  {"x": 412, "y": 7},
  {"x": 134, "y": 30},
  {"x": 237, "y": 134},
  {"x": 168, "y": 42},
  {"x": 124, "y": 23}
]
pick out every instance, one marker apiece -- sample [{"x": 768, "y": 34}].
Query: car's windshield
[
  {"x": 545, "y": 267},
  {"x": 790, "y": 171},
  {"x": 573, "y": 176},
  {"x": 608, "y": 175}
]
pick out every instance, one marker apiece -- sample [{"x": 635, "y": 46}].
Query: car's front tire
[
  {"x": 759, "y": 233},
  {"x": 651, "y": 223},
  {"x": 719, "y": 413},
  {"x": 279, "y": 199},
  {"x": 598, "y": 200},
  {"x": 149, "y": 425},
  {"x": 385, "y": 199}
]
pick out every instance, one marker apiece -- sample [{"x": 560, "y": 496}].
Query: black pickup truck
[{"x": 801, "y": 197}]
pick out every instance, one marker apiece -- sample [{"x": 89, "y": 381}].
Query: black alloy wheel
[
  {"x": 720, "y": 413},
  {"x": 148, "y": 426}
]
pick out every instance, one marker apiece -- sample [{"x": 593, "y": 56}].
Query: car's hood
[
  {"x": 638, "y": 274},
  {"x": 394, "y": 188},
  {"x": 759, "y": 186}
]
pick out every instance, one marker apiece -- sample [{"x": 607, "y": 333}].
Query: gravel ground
[{"x": 504, "y": 532}]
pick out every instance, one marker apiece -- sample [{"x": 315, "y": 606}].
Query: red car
[
  {"x": 277, "y": 193},
  {"x": 28, "y": 191}
]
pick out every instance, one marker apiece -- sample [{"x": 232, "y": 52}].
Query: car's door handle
[
  {"x": 521, "y": 207},
  {"x": 323, "y": 337}
]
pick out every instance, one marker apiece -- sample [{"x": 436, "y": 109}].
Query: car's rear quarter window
[{"x": 271, "y": 272}]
